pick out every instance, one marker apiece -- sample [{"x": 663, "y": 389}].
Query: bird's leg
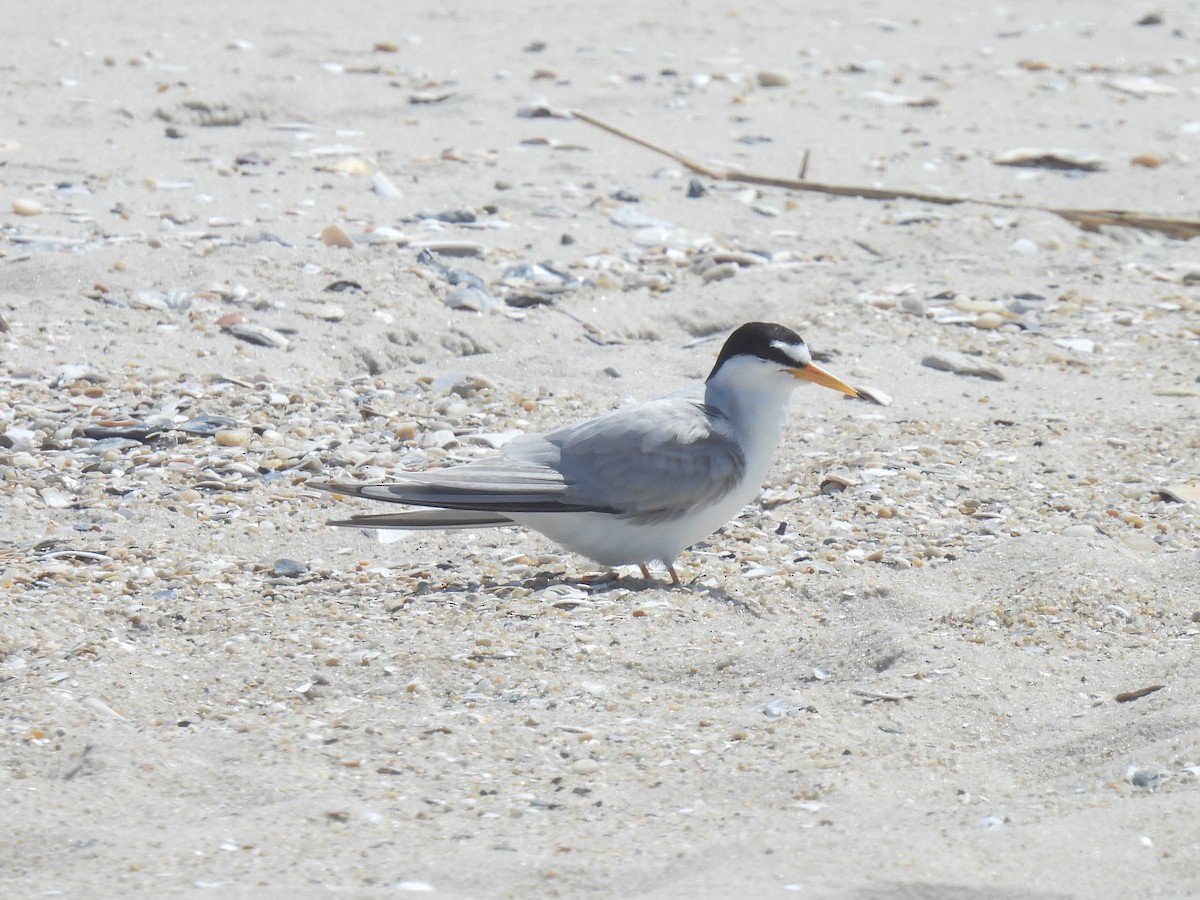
[
  {"x": 675, "y": 582},
  {"x": 645, "y": 571}
]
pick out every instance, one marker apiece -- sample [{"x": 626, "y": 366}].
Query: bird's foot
[{"x": 676, "y": 582}]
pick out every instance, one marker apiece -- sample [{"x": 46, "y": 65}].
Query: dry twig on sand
[{"x": 1087, "y": 219}]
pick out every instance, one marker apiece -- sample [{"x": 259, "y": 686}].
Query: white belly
[{"x": 613, "y": 541}]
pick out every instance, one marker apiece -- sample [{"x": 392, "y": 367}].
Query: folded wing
[{"x": 650, "y": 462}]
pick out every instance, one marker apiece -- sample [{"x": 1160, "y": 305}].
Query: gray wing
[{"x": 650, "y": 462}]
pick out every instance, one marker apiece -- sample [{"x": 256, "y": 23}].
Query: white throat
[{"x": 754, "y": 397}]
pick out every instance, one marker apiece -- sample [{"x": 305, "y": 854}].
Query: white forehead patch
[{"x": 798, "y": 353}]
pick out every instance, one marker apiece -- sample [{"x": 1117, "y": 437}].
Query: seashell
[
  {"x": 259, "y": 334},
  {"x": 961, "y": 364},
  {"x": 1181, "y": 493},
  {"x": 542, "y": 111},
  {"x": 874, "y": 395},
  {"x": 883, "y": 98},
  {"x": 233, "y": 437},
  {"x": 384, "y": 186},
  {"x": 1079, "y": 345},
  {"x": 1142, "y": 86},
  {"x": 429, "y": 98},
  {"x": 205, "y": 425},
  {"x": 335, "y": 236},
  {"x": 450, "y": 247},
  {"x": 1050, "y": 158},
  {"x": 835, "y": 484},
  {"x": 633, "y": 217},
  {"x": 349, "y": 165},
  {"x": 330, "y": 312}
]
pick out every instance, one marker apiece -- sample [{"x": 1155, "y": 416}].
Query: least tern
[{"x": 633, "y": 486}]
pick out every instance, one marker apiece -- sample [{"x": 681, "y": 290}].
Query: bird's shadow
[{"x": 595, "y": 584}]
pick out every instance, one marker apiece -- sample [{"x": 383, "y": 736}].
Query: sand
[{"x": 914, "y": 687}]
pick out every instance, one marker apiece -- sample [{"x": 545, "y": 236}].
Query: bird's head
[{"x": 760, "y": 350}]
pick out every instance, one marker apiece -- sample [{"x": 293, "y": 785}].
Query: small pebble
[
  {"x": 234, "y": 437},
  {"x": 1148, "y": 779},
  {"x": 27, "y": 206},
  {"x": 962, "y": 364},
  {"x": 989, "y": 321},
  {"x": 773, "y": 78},
  {"x": 585, "y": 766},
  {"x": 288, "y": 568},
  {"x": 719, "y": 272}
]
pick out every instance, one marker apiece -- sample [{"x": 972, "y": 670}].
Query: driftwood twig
[{"x": 1087, "y": 219}]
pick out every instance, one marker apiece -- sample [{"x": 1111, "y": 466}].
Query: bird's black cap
[{"x": 766, "y": 340}]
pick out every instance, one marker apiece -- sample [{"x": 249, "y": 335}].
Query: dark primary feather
[
  {"x": 487, "y": 485},
  {"x": 418, "y": 519}
]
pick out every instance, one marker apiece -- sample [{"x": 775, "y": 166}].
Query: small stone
[
  {"x": 773, "y": 78},
  {"x": 233, "y": 437},
  {"x": 27, "y": 206},
  {"x": 288, "y": 568},
  {"x": 585, "y": 766},
  {"x": 19, "y": 440},
  {"x": 719, "y": 272},
  {"x": 989, "y": 321},
  {"x": 1080, "y": 529},
  {"x": 1143, "y": 778},
  {"x": 961, "y": 364}
]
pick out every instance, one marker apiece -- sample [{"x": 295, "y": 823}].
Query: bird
[{"x": 636, "y": 485}]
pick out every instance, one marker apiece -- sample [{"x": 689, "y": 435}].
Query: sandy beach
[{"x": 949, "y": 652}]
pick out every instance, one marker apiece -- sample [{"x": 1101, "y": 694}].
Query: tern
[{"x": 636, "y": 485}]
